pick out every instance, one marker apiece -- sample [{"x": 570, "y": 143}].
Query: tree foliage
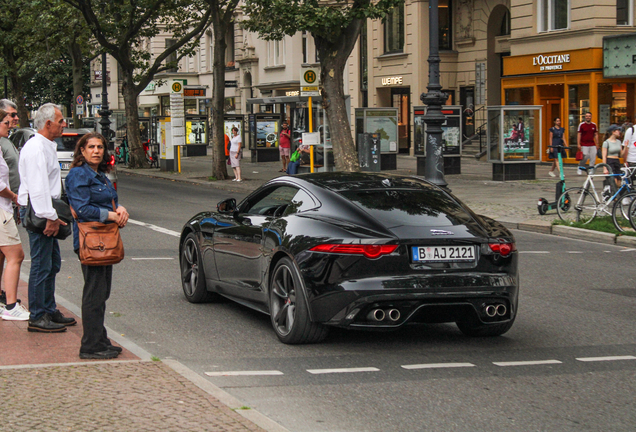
[
  {"x": 125, "y": 28},
  {"x": 335, "y": 26}
]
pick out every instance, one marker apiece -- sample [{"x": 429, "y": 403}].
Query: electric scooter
[{"x": 543, "y": 205}]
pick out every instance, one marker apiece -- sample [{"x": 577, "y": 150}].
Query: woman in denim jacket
[{"x": 91, "y": 196}]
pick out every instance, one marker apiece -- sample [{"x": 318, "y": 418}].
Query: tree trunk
[
  {"x": 137, "y": 156},
  {"x": 219, "y": 166},
  {"x": 75, "y": 51},
  {"x": 16, "y": 86},
  {"x": 333, "y": 58}
]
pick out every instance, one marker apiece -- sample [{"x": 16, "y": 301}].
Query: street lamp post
[
  {"x": 104, "y": 112},
  {"x": 434, "y": 99}
]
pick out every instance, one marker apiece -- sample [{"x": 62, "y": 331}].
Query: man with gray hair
[
  {"x": 40, "y": 181},
  {"x": 11, "y": 157}
]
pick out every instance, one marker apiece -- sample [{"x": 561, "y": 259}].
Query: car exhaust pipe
[
  {"x": 376, "y": 315},
  {"x": 501, "y": 310},
  {"x": 393, "y": 314},
  {"x": 490, "y": 310}
]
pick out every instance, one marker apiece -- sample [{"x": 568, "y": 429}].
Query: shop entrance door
[
  {"x": 552, "y": 110},
  {"x": 467, "y": 101},
  {"x": 401, "y": 99}
]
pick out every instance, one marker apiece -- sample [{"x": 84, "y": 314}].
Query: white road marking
[
  {"x": 244, "y": 373},
  {"x": 534, "y": 252},
  {"x": 607, "y": 358},
  {"x": 628, "y": 250},
  {"x": 575, "y": 252},
  {"x": 437, "y": 365},
  {"x": 527, "y": 363},
  {"x": 152, "y": 258},
  {"x": 154, "y": 227},
  {"x": 343, "y": 370}
]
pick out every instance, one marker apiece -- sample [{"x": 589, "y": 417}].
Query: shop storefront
[{"x": 568, "y": 84}]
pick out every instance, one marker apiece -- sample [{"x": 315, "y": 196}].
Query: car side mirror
[{"x": 226, "y": 206}]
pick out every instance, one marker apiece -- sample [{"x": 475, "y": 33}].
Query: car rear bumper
[{"x": 432, "y": 299}]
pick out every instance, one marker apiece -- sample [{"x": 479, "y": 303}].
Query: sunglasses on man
[{"x": 13, "y": 115}]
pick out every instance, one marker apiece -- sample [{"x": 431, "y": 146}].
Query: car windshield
[
  {"x": 409, "y": 207},
  {"x": 67, "y": 142}
]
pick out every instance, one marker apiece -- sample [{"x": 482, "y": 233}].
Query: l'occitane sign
[{"x": 574, "y": 60}]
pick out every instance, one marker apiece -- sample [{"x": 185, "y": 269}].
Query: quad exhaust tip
[
  {"x": 378, "y": 315},
  {"x": 495, "y": 310}
]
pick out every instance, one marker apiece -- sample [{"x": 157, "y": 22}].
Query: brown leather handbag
[{"x": 99, "y": 243}]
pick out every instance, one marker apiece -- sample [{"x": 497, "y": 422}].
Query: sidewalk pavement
[{"x": 45, "y": 386}]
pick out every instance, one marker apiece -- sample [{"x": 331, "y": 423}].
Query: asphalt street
[{"x": 568, "y": 363}]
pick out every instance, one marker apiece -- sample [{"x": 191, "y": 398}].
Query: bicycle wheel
[
  {"x": 632, "y": 214},
  {"x": 577, "y": 205},
  {"x": 621, "y": 215}
]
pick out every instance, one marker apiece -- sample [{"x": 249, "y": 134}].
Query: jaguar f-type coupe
[{"x": 353, "y": 250}]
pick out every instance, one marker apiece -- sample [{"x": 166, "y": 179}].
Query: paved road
[{"x": 576, "y": 310}]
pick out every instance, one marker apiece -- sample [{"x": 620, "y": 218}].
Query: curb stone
[
  {"x": 539, "y": 226},
  {"x": 626, "y": 241},
  {"x": 584, "y": 234}
]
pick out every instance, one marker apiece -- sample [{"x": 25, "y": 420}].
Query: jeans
[
  {"x": 46, "y": 262},
  {"x": 97, "y": 283}
]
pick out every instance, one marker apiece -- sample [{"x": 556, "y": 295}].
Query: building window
[
  {"x": 505, "y": 25},
  {"x": 624, "y": 12},
  {"x": 165, "y": 106},
  {"x": 445, "y": 9},
  {"x": 229, "y": 51},
  {"x": 172, "y": 58},
  {"x": 275, "y": 52},
  {"x": 554, "y": 14},
  {"x": 394, "y": 30}
]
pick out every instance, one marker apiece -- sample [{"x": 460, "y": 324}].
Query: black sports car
[{"x": 354, "y": 250}]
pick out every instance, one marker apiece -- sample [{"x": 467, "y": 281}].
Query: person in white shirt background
[
  {"x": 40, "y": 181},
  {"x": 629, "y": 145}
]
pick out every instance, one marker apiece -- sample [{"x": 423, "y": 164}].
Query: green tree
[
  {"x": 124, "y": 28},
  {"x": 335, "y": 26}
]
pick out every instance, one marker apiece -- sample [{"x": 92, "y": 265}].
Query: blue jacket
[{"x": 91, "y": 195}]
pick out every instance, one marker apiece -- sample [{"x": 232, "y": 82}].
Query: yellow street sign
[
  {"x": 310, "y": 77},
  {"x": 176, "y": 87}
]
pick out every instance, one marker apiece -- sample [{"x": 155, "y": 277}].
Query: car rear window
[
  {"x": 67, "y": 143},
  {"x": 408, "y": 207}
]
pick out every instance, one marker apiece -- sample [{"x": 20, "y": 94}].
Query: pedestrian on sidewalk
[
  {"x": 235, "y": 154},
  {"x": 11, "y": 157},
  {"x": 284, "y": 146},
  {"x": 10, "y": 244},
  {"x": 40, "y": 181},
  {"x": 587, "y": 142},
  {"x": 612, "y": 147},
  {"x": 91, "y": 196},
  {"x": 556, "y": 139},
  {"x": 629, "y": 147}
]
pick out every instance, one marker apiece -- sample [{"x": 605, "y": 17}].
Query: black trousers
[{"x": 97, "y": 283}]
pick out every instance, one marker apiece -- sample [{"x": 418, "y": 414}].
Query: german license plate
[
  {"x": 65, "y": 165},
  {"x": 443, "y": 253}
]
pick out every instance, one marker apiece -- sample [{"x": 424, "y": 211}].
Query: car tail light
[
  {"x": 502, "y": 248},
  {"x": 115, "y": 185},
  {"x": 369, "y": 251},
  {"x": 112, "y": 160}
]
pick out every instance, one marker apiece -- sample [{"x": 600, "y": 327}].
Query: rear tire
[
  {"x": 543, "y": 206},
  {"x": 288, "y": 307},
  {"x": 192, "y": 272},
  {"x": 577, "y": 205}
]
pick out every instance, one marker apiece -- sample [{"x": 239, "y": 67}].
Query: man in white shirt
[{"x": 40, "y": 181}]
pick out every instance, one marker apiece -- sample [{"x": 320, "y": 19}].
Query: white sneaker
[
  {"x": 579, "y": 171},
  {"x": 18, "y": 313},
  {"x": 239, "y": 180},
  {"x": 234, "y": 179},
  {"x": 627, "y": 201},
  {"x": 551, "y": 174}
]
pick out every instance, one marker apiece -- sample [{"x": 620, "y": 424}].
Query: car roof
[{"x": 345, "y": 181}]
